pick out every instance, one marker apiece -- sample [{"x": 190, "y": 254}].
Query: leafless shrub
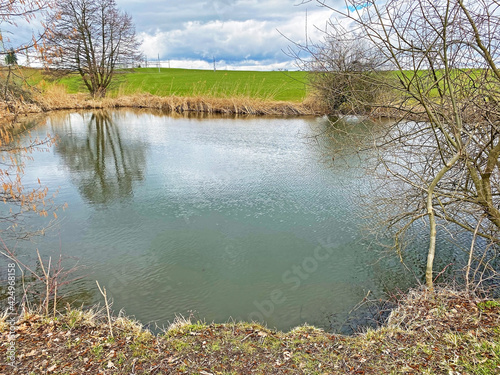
[
  {"x": 40, "y": 285},
  {"x": 439, "y": 160}
]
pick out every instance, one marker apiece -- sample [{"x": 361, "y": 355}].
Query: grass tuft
[{"x": 428, "y": 333}]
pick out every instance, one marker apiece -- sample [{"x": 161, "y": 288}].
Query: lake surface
[{"x": 221, "y": 218}]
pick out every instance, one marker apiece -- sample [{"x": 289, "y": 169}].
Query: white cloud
[
  {"x": 236, "y": 42},
  {"x": 263, "y": 65},
  {"x": 240, "y": 34}
]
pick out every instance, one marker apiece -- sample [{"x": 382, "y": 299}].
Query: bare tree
[
  {"x": 92, "y": 38},
  {"x": 15, "y": 12},
  {"x": 15, "y": 17},
  {"x": 16, "y": 145},
  {"x": 107, "y": 167},
  {"x": 444, "y": 85},
  {"x": 343, "y": 70}
]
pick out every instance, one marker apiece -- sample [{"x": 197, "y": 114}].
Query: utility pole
[
  {"x": 306, "y": 27},
  {"x": 214, "y": 63},
  {"x": 158, "y": 63}
]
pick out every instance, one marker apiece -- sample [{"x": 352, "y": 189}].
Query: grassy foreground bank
[{"x": 441, "y": 333}]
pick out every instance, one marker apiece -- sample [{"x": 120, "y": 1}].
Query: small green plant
[
  {"x": 488, "y": 305},
  {"x": 73, "y": 317},
  {"x": 110, "y": 340},
  {"x": 121, "y": 358},
  {"x": 97, "y": 350},
  {"x": 179, "y": 345}
]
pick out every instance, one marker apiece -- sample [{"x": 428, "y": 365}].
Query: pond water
[{"x": 221, "y": 218}]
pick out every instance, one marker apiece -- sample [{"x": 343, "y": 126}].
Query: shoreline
[
  {"x": 441, "y": 332},
  {"x": 61, "y": 101},
  {"x": 418, "y": 337},
  {"x": 170, "y": 104}
]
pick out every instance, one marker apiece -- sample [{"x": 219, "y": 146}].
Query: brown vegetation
[
  {"x": 240, "y": 106},
  {"x": 56, "y": 98},
  {"x": 442, "y": 332}
]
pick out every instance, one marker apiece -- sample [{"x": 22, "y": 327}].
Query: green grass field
[{"x": 275, "y": 85}]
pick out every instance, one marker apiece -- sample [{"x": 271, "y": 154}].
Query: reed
[
  {"x": 56, "y": 99},
  {"x": 249, "y": 100},
  {"x": 212, "y": 105}
]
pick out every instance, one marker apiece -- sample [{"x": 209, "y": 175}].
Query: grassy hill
[{"x": 275, "y": 85}]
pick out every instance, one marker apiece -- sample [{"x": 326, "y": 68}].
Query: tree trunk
[
  {"x": 432, "y": 221},
  {"x": 99, "y": 92}
]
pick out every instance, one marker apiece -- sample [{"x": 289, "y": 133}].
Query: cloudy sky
[{"x": 239, "y": 34}]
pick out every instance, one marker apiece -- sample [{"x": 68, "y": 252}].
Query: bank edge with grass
[
  {"x": 441, "y": 332},
  {"x": 173, "y": 90}
]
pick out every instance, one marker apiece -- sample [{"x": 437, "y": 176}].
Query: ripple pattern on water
[{"x": 241, "y": 218}]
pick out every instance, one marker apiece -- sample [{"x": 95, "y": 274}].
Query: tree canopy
[
  {"x": 92, "y": 38},
  {"x": 11, "y": 57}
]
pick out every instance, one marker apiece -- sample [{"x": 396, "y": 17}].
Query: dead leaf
[{"x": 51, "y": 368}]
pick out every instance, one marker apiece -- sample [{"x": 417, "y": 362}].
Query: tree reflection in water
[{"x": 102, "y": 166}]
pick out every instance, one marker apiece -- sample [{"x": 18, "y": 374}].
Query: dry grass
[
  {"x": 179, "y": 323},
  {"x": 446, "y": 332},
  {"x": 56, "y": 98},
  {"x": 239, "y": 106},
  {"x": 9, "y": 112}
]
